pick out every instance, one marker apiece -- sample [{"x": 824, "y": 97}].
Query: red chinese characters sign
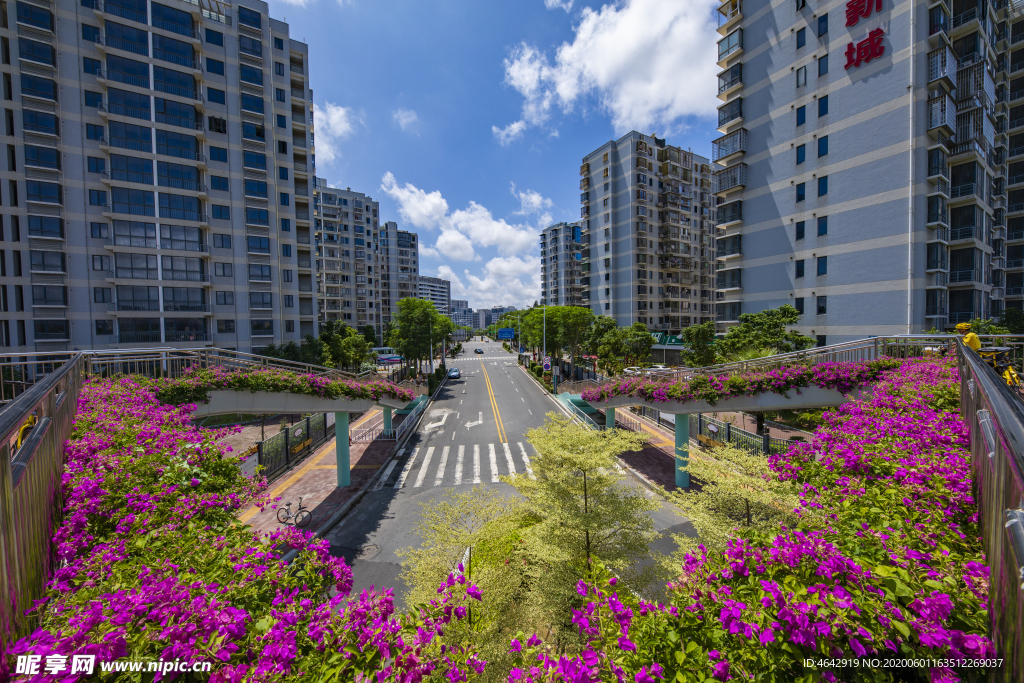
[
  {"x": 865, "y": 50},
  {"x": 857, "y": 9}
]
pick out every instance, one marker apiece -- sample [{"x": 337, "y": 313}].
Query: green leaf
[{"x": 902, "y": 628}]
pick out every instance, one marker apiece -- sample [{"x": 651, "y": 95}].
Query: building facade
[
  {"x": 157, "y": 181},
  {"x": 862, "y": 164},
  {"x": 403, "y": 272},
  {"x": 461, "y": 313},
  {"x": 561, "y": 250},
  {"x": 648, "y": 224},
  {"x": 438, "y": 291}
]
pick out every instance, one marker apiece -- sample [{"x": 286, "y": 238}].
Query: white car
[{"x": 633, "y": 371}]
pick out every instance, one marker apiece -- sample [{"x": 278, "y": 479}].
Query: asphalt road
[{"x": 473, "y": 432}]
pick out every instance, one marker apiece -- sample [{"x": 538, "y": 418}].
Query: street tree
[
  {"x": 603, "y": 324},
  {"x": 637, "y": 343},
  {"x": 369, "y": 334},
  {"x": 699, "y": 345},
  {"x": 574, "y": 324},
  {"x": 411, "y": 329},
  {"x": 766, "y": 330}
]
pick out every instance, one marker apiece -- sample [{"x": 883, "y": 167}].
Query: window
[
  {"x": 801, "y": 192},
  {"x": 278, "y": 43},
  {"x": 799, "y": 268},
  {"x": 801, "y": 38},
  {"x": 251, "y": 160},
  {"x": 801, "y": 115},
  {"x": 97, "y": 198},
  {"x": 91, "y": 66},
  {"x": 823, "y": 186},
  {"x": 823, "y": 25},
  {"x": 798, "y": 304},
  {"x": 252, "y": 103},
  {"x": 225, "y": 298},
  {"x": 222, "y": 241},
  {"x": 823, "y": 265},
  {"x": 222, "y": 213},
  {"x": 257, "y": 245},
  {"x": 822, "y": 305},
  {"x": 222, "y": 269},
  {"x": 219, "y": 183},
  {"x": 97, "y": 165},
  {"x": 259, "y": 300},
  {"x": 89, "y": 33},
  {"x": 286, "y": 275},
  {"x": 214, "y": 37},
  {"x": 282, "y": 173},
  {"x": 286, "y": 250},
  {"x": 822, "y": 65},
  {"x": 282, "y": 121},
  {"x": 43, "y": 157},
  {"x": 256, "y": 216},
  {"x": 262, "y": 328},
  {"x": 215, "y": 66},
  {"x": 218, "y": 154},
  {"x": 256, "y": 188},
  {"x": 285, "y": 199},
  {"x": 822, "y": 105},
  {"x": 215, "y": 96},
  {"x": 282, "y": 147},
  {"x": 823, "y": 146},
  {"x": 286, "y": 225},
  {"x": 250, "y": 46},
  {"x": 104, "y": 327},
  {"x": 801, "y": 76},
  {"x": 218, "y": 124},
  {"x": 93, "y": 132},
  {"x": 259, "y": 273},
  {"x": 98, "y": 230},
  {"x": 799, "y": 230},
  {"x": 278, "y": 69},
  {"x": 226, "y": 326},
  {"x": 40, "y": 123},
  {"x": 801, "y": 154},
  {"x": 101, "y": 262},
  {"x": 289, "y": 325},
  {"x": 822, "y": 225},
  {"x": 41, "y": 226},
  {"x": 249, "y": 17},
  {"x": 254, "y": 131},
  {"x": 800, "y": 4},
  {"x": 102, "y": 295},
  {"x": 289, "y": 301},
  {"x": 93, "y": 99},
  {"x": 250, "y": 74}
]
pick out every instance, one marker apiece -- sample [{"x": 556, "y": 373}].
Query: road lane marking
[
  {"x": 479, "y": 420},
  {"x": 440, "y": 468},
  {"x": 522, "y": 399},
  {"x": 405, "y": 470},
  {"x": 453, "y": 435},
  {"x": 437, "y": 424},
  {"x": 528, "y": 410},
  {"x": 423, "y": 470},
  {"x": 458, "y": 465},
  {"x": 526, "y": 460},
  {"x": 494, "y": 463},
  {"x": 387, "y": 473},
  {"x": 510, "y": 461},
  {"x": 494, "y": 404},
  {"x": 476, "y": 463}
]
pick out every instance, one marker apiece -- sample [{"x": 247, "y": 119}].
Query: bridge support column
[
  {"x": 609, "y": 418},
  {"x": 387, "y": 418},
  {"x": 341, "y": 448},
  {"x": 682, "y": 451}
]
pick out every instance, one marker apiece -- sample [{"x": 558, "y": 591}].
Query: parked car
[
  {"x": 478, "y": 350},
  {"x": 633, "y": 371},
  {"x": 454, "y": 373}
]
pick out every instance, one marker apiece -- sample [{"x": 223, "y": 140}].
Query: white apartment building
[{"x": 438, "y": 291}]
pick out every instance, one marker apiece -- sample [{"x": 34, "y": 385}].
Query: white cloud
[
  {"x": 334, "y": 123},
  {"x": 461, "y": 231},
  {"x": 510, "y": 280},
  {"x": 531, "y": 201},
  {"x": 559, "y": 4},
  {"x": 405, "y": 118},
  {"x": 648, "y": 63}
]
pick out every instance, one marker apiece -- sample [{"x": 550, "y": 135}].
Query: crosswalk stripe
[
  {"x": 440, "y": 468},
  {"x": 458, "y": 465},
  {"x": 526, "y": 460},
  {"x": 387, "y": 472},
  {"x": 405, "y": 470},
  {"x": 494, "y": 463},
  {"x": 510, "y": 461},
  {"x": 476, "y": 463},
  {"x": 423, "y": 470}
]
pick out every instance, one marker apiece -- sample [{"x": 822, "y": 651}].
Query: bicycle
[
  {"x": 998, "y": 357},
  {"x": 301, "y": 518}
]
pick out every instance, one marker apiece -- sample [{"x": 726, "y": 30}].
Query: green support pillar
[
  {"x": 387, "y": 418},
  {"x": 609, "y": 418},
  {"x": 682, "y": 451},
  {"x": 341, "y": 448}
]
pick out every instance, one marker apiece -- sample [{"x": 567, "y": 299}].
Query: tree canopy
[{"x": 766, "y": 330}]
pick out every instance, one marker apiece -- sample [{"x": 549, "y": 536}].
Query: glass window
[
  {"x": 801, "y": 38},
  {"x": 798, "y": 304},
  {"x": 218, "y": 154},
  {"x": 93, "y": 99},
  {"x": 285, "y": 199},
  {"x": 799, "y": 230},
  {"x": 219, "y": 183},
  {"x": 801, "y": 76},
  {"x": 214, "y": 37},
  {"x": 222, "y": 269},
  {"x": 282, "y": 173},
  {"x": 222, "y": 213},
  {"x": 823, "y": 186},
  {"x": 823, "y": 146},
  {"x": 286, "y": 225},
  {"x": 96, "y": 165},
  {"x": 800, "y": 268},
  {"x": 282, "y": 121},
  {"x": 822, "y": 305},
  {"x": 225, "y": 298},
  {"x": 91, "y": 66},
  {"x": 278, "y": 43},
  {"x": 249, "y": 17},
  {"x": 35, "y": 51},
  {"x": 822, "y": 25},
  {"x": 254, "y": 160},
  {"x": 89, "y": 35},
  {"x": 252, "y": 103},
  {"x": 822, "y": 225},
  {"x": 801, "y": 154},
  {"x": 45, "y": 226},
  {"x": 222, "y": 241},
  {"x": 822, "y": 65},
  {"x": 801, "y": 115},
  {"x": 286, "y": 250},
  {"x": 35, "y": 16},
  {"x": 97, "y": 198},
  {"x": 226, "y": 326},
  {"x": 823, "y": 265},
  {"x": 216, "y": 96},
  {"x": 822, "y": 105},
  {"x": 281, "y": 95},
  {"x": 44, "y": 157},
  {"x": 801, "y": 192},
  {"x": 250, "y": 74},
  {"x": 214, "y": 66}
]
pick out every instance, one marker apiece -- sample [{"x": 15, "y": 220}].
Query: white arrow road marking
[
  {"x": 494, "y": 463},
  {"x": 437, "y": 424},
  {"x": 440, "y": 468},
  {"x": 423, "y": 470},
  {"x": 526, "y": 460},
  {"x": 476, "y": 463},
  {"x": 387, "y": 473},
  {"x": 479, "y": 421},
  {"x": 405, "y": 470},
  {"x": 458, "y": 465},
  {"x": 510, "y": 461}
]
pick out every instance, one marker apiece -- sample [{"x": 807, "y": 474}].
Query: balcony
[
  {"x": 184, "y": 245},
  {"x": 937, "y": 264},
  {"x": 942, "y": 67},
  {"x": 937, "y": 218},
  {"x": 134, "y": 306},
  {"x": 730, "y": 213},
  {"x": 965, "y": 233},
  {"x": 180, "y": 29},
  {"x": 186, "y": 337},
  {"x": 129, "y": 143},
  {"x": 134, "y": 241},
  {"x": 728, "y": 145},
  {"x": 123, "y": 12},
  {"x": 965, "y": 190},
  {"x": 186, "y": 275},
  {"x": 121, "y": 44},
  {"x": 934, "y": 311},
  {"x": 729, "y": 179},
  {"x": 134, "y": 273},
  {"x": 942, "y": 115},
  {"x": 962, "y": 276},
  {"x": 729, "y": 12},
  {"x": 186, "y": 307}
]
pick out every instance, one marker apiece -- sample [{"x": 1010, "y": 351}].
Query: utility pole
[
  {"x": 431, "y": 345},
  {"x": 545, "y": 354}
]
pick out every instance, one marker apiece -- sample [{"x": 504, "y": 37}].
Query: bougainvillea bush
[
  {"x": 155, "y": 566},
  {"x": 843, "y": 376},
  {"x": 196, "y": 384},
  {"x": 890, "y": 569}
]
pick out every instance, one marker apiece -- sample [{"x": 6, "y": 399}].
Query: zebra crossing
[{"x": 456, "y": 465}]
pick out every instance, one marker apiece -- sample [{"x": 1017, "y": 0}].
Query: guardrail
[
  {"x": 284, "y": 449},
  {"x": 708, "y": 428}
]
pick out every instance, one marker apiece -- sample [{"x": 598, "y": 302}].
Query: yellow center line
[{"x": 494, "y": 405}]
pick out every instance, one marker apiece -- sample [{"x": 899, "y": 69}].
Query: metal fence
[
  {"x": 704, "y": 428},
  {"x": 294, "y": 444}
]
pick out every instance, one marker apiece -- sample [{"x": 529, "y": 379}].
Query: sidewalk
[{"x": 315, "y": 480}]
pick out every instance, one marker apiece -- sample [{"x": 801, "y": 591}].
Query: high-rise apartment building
[
  {"x": 648, "y": 233},
  {"x": 461, "y": 313},
  {"x": 402, "y": 275},
  {"x": 561, "y": 250},
  {"x": 438, "y": 291},
  {"x": 862, "y": 164},
  {"x": 157, "y": 177}
]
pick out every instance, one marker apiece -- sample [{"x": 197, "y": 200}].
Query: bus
[{"x": 386, "y": 355}]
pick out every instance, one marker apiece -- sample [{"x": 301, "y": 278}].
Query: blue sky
[{"x": 467, "y": 119}]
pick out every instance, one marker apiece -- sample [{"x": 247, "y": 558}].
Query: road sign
[
  {"x": 506, "y": 333},
  {"x": 547, "y": 363}
]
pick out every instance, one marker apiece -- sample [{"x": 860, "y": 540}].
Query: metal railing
[{"x": 726, "y": 433}]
